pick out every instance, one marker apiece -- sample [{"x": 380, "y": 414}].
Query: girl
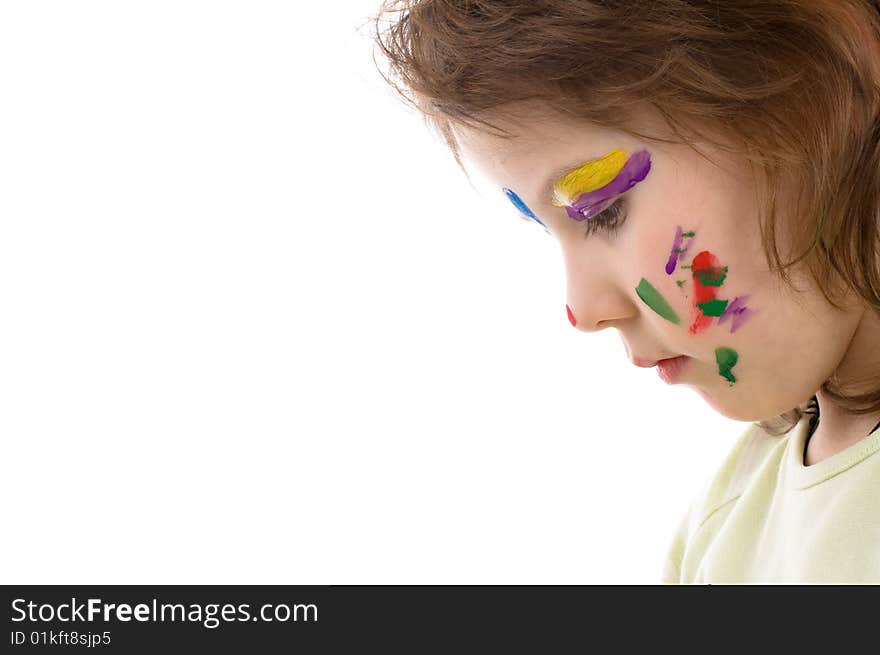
[{"x": 711, "y": 170}]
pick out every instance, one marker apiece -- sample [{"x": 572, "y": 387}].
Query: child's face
[{"x": 683, "y": 273}]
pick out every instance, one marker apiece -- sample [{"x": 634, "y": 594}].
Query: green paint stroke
[
  {"x": 680, "y": 282},
  {"x": 688, "y": 234},
  {"x": 685, "y": 266},
  {"x": 713, "y": 307},
  {"x": 655, "y": 301},
  {"x": 712, "y": 277},
  {"x": 726, "y": 358}
]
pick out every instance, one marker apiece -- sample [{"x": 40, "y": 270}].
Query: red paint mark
[
  {"x": 571, "y": 318},
  {"x": 704, "y": 264}
]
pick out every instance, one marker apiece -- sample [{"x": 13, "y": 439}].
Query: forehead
[
  {"x": 537, "y": 146},
  {"x": 525, "y": 135},
  {"x": 537, "y": 141}
]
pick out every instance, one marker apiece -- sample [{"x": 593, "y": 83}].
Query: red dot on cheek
[{"x": 571, "y": 318}]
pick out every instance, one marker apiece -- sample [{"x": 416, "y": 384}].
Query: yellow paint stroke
[{"x": 587, "y": 177}]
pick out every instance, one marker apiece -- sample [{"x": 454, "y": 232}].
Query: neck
[{"x": 827, "y": 441}]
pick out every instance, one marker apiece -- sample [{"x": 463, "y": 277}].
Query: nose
[
  {"x": 596, "y": 299},
  {"x": 586, "y": 320}
]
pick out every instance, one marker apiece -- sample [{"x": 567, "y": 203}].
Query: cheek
[
  {"x": 665, "y": 239},
  {"x": 692, "y": 289},
  {"x": 700, "y": 275},
  {"x": 662, "y": 278}
]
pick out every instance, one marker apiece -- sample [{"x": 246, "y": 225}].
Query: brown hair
[{"x": 792, "y": 83}]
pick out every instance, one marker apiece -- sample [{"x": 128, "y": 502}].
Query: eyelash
[{"x": 608, "y": 220}]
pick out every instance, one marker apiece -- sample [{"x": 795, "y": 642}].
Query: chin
[
  {"x": 711, "y": 400},
  {"x": 740, "y": 408}
]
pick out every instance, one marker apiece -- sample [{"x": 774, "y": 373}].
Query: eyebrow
[
  {"x": 600, "y": 161},
  {"x": 547, "y": 190}
]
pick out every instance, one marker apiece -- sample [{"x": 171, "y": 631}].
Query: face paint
[
  {"x": 737, "y": 311},
  {"x": 653, "y": 299},
  {"x": 571, "y": 318},
  {"x": 588, "y": 189},
  {"x": 708, "y": 276},
  {"x": 707, "y": 273},
  {"x": 727, "y": 359},
  {"x": 521, "y": 206},
  {"x": 677, "y": 251}
]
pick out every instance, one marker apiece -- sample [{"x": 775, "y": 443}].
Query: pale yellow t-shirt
[{"x": 767, "y": 518}]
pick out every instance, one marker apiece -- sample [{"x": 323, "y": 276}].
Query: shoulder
[
  {"x": 749, "y": 453},
  {"x": 753, "y": 449}
]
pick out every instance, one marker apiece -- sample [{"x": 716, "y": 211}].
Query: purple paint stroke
[
  {"x": 673, "y": 255},
  {"x": 591, "y": 203},
  {"x": 677, "y": 251},
  {"x": 737, "y": 312},
  {"x": 684, "y": 250}
]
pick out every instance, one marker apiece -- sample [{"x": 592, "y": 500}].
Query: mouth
[
  {"x": 670, "y": 370},
  {"x": 644, "y": 362}
]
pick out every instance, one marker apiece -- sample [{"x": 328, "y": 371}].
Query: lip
[
  {"x": 643, "y": 362},
  {"x": 670, "y": 370}
]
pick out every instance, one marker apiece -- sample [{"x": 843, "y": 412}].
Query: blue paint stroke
[{"x": 523, "y": 207}]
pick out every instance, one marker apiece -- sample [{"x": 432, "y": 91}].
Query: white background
[{"x": 257, "y": 327}]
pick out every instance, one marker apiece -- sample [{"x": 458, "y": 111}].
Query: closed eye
[{"x": 608, "y": 220}]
